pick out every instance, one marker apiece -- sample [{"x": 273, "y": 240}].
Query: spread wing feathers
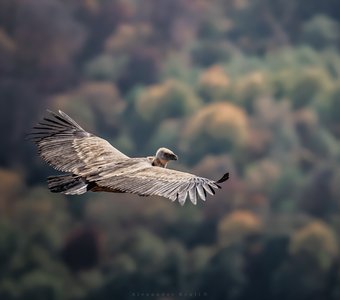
[
  {"x": 139, "y": 177},
  {"x": 67, "y": 147}
]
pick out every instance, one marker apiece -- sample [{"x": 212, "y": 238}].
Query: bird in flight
[{"x": 93, "y": 164}]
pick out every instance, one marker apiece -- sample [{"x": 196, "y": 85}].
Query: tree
[
  {"x": 321, "y": 31},
  {"x": 318, "y": 242},
  {"x": 216, "y": 128},
  {"x": 233, "y": 229},
  {"x": 170, "y": 99}
]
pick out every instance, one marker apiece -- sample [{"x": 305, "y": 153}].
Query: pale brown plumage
[{"x": 93, "y": 164}]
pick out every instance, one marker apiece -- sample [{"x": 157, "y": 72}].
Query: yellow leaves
[
  {"x": 168, "y": 99},
  {"x": 214, "y": 77},
  {"x": 220, "y": 121},
  {"x": 235, "y": 227},
  {"x": 127, "y": 36},
  {"x": 255, "y": 78},
  {"x": 249, "y": 87},
  {"x": 94, "y": 90},
  {"x": 316, "y": 240},
  {"x": 214, "y": 82}
]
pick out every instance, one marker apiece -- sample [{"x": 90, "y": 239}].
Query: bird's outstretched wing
[
  {"x": 139, "y": 177},
  {"x": 67, "y": 147}
]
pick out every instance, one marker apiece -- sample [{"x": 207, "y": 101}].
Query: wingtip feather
[{"x": 224, "y": 178}]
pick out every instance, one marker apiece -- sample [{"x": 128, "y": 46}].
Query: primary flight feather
[{"x": 93, "y": 164}]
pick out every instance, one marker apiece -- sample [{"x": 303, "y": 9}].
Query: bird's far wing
[
  {"x": 67, "y": 147},
  {"x": 139, "y": 177}
]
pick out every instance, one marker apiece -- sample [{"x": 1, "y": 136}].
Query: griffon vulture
[{"x": 93, "y": 164}]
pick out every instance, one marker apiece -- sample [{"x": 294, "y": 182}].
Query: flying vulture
[{"x": 93, "y": 164}]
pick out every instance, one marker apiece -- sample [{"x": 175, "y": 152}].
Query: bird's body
[{"x": 93, "y": 164}]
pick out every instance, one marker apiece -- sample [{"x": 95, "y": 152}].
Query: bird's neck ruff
[{"x": 159, "y": 162}]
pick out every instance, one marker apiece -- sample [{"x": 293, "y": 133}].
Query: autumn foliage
[{"x": 248, "y": 87}]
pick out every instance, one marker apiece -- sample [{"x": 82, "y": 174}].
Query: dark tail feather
[{"x": 67, "y": 184}]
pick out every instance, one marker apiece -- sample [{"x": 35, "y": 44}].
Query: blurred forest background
[{"x": 252, "y": 87}]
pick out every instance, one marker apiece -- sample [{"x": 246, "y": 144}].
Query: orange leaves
[
  {"x": 213, "y": 83},
  {"x": 238, "y": 225},
  {"x": 128, "y": 36}
]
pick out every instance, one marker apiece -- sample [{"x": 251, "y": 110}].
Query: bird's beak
[{"x": 175, "y": 157}]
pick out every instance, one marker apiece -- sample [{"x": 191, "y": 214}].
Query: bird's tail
[{"x": 68, "y": 184}]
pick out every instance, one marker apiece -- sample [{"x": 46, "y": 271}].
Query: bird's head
[{"x": 165, "y": 154}]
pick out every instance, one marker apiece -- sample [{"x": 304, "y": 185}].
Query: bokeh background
[{"x": 252, "y": 87}]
